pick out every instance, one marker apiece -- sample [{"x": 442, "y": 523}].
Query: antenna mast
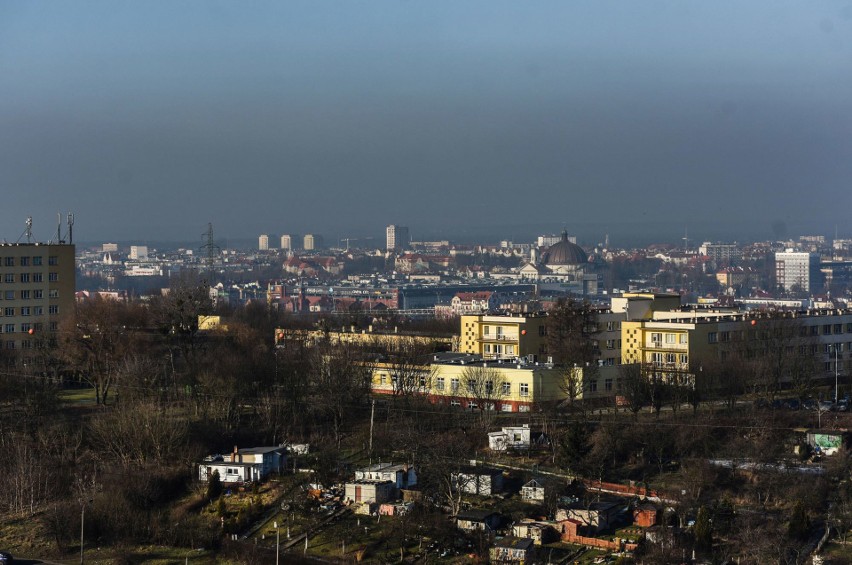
[
  {"x": 70, "y": 227},
  {"x": 211, "y": 249}
]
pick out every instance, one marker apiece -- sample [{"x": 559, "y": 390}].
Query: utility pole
[
  {"x": 372, "y": 417},
  {"x": 82, "y": 523}
]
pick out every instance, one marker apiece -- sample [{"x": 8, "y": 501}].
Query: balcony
[{"x": 501, "y": 337}]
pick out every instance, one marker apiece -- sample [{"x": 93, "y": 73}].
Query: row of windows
[
  {"x": 9, "y": 312},
  {"x": 35, "y": 261},
  {"x": 669, "y": 338},
  {"x": 505, "y": 388},
  {"x": 27, "y": 327},
  {"x": 37, "y": 294},
  {"x": 29, "y": 277},
  {"x": 498, "y": 349}
]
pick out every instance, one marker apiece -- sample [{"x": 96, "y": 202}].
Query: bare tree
[
  {"x": 484, "y": 385},
  {"x": 634, "y": 386},
  {"x": 97, "y": 340}
]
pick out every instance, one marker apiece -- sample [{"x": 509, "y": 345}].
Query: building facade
[
  {"x": 397, "y": 238},
  {"x": 287, "y": 241},
  {"x": 797, "y": 270},
  {"x": 263, "y": 242},
  {"x": 312, "y": 242},
  {"x": 37, "y": 289}
]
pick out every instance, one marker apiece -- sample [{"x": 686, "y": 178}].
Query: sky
[{"x": 149, "y": 119}]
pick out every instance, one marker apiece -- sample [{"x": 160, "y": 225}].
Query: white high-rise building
[
  {"x": 797, "y": 270},
  {"x": 397, "y": 237},
  {"x": 263, "y": 242},
  {"x": 139, "y": 252},
  {"x": 312, "y": 242},
  {"x": 287, "y": 241}
]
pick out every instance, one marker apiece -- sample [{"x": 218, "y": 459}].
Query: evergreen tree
[
  {"x": 214, "y": 486},
  {"x": 800, "y": 525},
  {"x": 703, "y": 530}
]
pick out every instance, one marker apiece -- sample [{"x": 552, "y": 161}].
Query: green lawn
[{"x": 77, "y": 396}]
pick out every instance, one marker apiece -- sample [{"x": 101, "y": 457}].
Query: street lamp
[
  {"x": 836, "y": 379},
  {"x": 277, "y": 544}
]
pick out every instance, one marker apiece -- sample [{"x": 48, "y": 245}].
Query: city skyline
[{"x": 484, "y": 118}]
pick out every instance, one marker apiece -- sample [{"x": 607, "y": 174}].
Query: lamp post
[
  {"x": 277, "y": 544},
  {"x": 836, "y": 379}
]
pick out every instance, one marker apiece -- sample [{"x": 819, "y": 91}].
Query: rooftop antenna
[
  {"x": 70, "y": 227},
  {"x": 28, "y": 231},
  {"x": 685, "y": 240},
  {"x": 59, "y": 227}
]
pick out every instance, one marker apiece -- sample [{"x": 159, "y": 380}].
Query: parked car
[
  {"x": 6, "y": 558},
  {"x": 825, "y": 405}
]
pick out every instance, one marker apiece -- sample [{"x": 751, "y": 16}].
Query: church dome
[{"x": 565, "y": 253}]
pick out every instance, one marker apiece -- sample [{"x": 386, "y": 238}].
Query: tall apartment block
[
  {"x": 263, "y": 242},
  {"x": 287, "y": 241},
  {"x": 797, "y": 270},
  {"x": 397, "y": 238},
  {"x": 312, "y": 242},
  {"x": 37, "y": 288}
]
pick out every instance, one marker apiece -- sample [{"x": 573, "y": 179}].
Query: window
[
  {"x": 838, "y": 328},
  {"x": 657, "y": 338},
  {"x": 53, "y": 260},
  {"x": 37, "y": 261},
  {"x": 489, "y": 388},
  {"x": 542, "y": 331},
  {"x": 486, "y": 330},
  {"x": 506, "y": 389},
  {"x": 54, "y": 326},
  {"x": 53, "y": 293},
  {"x": 9, "y": 328},
  {"x": 422, "y": 381},
  {"x": 525, "y": 389},
  {"x": 454, "y": 385},
  {"x": 814, "y": 330},
  {"x": 657, "y": 358},
  {"x": 38, "y": 294},
  {"x": 25, "y": 261},
  {"x": 25, "y": 277},
  {"x": 26, "y": 344},
  {"x": 593, "y": 386},
  {"x": 724, "y": 336},
  {"x": 26, "y": 327},
  {"x": 670, "y": 358},
  {"x": 9, "y": 278},
  {"x": 53, "y": 277},
  {"x": 383, "y": 379},
  {"x": 9, "y": 311},
  {"x": 610, "y": 344},
  {"x": 25, "y": 311},
  {"x": 10, "y": 344},
  {"x": 455, "y": 402},
  {"x": 10, "y": 295},
  {"x": 826, "y": 329},
  {"x": 671, "y": 338},
  {"x": 25, "y": 295},
  {"x": 608, "y": 385},
  {"x": 684, "y": 359},
  {"x": 487, "y": 348},
  {"x": 10, "y": 261},
  {"x": 506, "y": 407},
  {"x": 712, "y": 337},
  {"x": 38, "y": 277},
  {"x": 439, "y": 383},
  {"x": 510, "y": 350}
]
